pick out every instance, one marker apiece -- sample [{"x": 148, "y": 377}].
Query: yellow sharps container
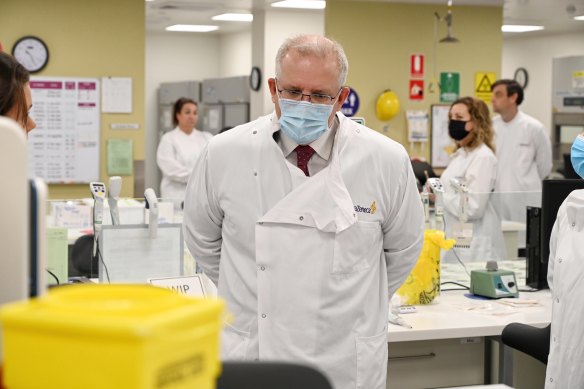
[{"x": 112, "y": 336}]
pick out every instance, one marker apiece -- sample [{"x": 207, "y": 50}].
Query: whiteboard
[
  {"x": 64, "y": 146},
  {"x": 441, "y": 141}
]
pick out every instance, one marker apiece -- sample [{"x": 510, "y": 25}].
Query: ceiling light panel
[
  {"x": 304, "y": 4},
  {"x": 519, "y": 28},
  {"x": 191, "y": 28},
  {"x": 234, "y": 17}
]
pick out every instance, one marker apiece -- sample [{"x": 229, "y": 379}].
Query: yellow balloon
[{"x": 387, "y": 105}]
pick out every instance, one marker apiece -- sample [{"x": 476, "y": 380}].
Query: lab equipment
[
  {"x": 436, "y": 184},
  {"x": 461, "y": 231},
  {"x": 115, "y": 187},
  {"x": 493, "y": 282},
  {"x": 394, "y": 318},
  {"x": 98, "y": 193},
  {"x": 425, "y": 195},
  {"x": 152, "y": 207},
  {"x": 438, "y": 189}
]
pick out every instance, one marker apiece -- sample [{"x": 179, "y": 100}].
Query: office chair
[
  {"x": 530, "y": 340},
  {"x": 270, "y": 375},
  {"x": 81, "y": 256}
]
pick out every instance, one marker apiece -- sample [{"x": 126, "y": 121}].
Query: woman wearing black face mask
[{"x": 473, "y": 164}]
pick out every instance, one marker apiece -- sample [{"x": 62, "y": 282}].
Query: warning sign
[
  {"x": 417, "y": 65},
  {"x": 417, "y": 90},
  {"x": 482, "y": 85}
]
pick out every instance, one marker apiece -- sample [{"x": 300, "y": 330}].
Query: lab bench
[{"x": 455, "y": 341}]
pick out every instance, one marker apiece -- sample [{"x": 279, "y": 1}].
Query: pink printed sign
[
  {"x": 86, "y": 85},
  {"x": 46, "y": 85}
]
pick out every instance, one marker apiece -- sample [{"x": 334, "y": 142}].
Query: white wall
[
  {"x": 280, "y": 25},
  {"x": 235, "y": 54},
  {"x": 173, "y": 57},
  {"x": 535, "y": 54}
]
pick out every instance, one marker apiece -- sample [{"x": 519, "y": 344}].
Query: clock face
[
  {"x": 32, "y": 53},
  {"x": 521, "y": 77},
  {"x": 255, "y": 78}
]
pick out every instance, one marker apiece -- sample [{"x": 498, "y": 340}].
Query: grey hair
[{"x": 314, "y": 45}]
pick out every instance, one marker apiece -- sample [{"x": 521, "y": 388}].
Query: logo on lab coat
[{"x": 371, "y": 210}]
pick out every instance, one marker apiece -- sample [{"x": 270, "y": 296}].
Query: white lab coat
[
  {"x": 566, "y": 282},
  {"x": 176, "y": 157},
  {"x": 477, "y": 168},
  {"x": 524, "y": 153},
  {"x": 306, "y": 264}
]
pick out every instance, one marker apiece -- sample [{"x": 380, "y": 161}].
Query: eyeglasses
[{"x": 317, "y": 98}]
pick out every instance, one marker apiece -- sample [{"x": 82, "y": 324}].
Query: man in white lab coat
[
  {"x": 566, "y": 281},
  {"x": 306, "y": 244},
  {"x": 523, "y": 150}
]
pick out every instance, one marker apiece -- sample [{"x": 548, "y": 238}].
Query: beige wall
[
  {"x": 380, "y": 37},
  {"x": 89, "y": 38}
]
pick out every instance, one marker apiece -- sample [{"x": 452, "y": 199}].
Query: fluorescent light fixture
[
  {"x": 191, "y": 28},
  {"x": 233, "y": 17},
  {"x": 519, "y": 28},
  {"x": 581, "y": 17},
  {"x": 306, "y": 4}
]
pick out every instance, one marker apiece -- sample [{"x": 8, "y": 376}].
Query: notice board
[{"x": 64, "y": 146}]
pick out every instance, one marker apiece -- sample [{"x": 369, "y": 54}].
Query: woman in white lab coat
[
  {"x": 179, "y": 149},
  {"x": 565, "y": 279},
  {"x": 473, "y": 167}
]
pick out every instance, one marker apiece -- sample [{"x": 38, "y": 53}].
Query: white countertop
[{"x": 453, "y": 315}]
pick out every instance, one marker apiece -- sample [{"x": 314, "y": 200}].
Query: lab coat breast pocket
[
  {"x": 372, "y": 360},
  {"x": 525, "y": 151},
  {"x": 234, "y": 343},
  {"x": 357, "y": 247}
]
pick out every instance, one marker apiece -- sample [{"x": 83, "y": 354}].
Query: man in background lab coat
[
  {"x": 524, "y": 151},
  {"x": 306, "y": 244}
]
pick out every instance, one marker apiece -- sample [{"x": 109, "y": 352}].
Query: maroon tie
[{"x": 303, "y": 154}]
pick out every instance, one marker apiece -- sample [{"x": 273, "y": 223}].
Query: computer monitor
[{"x": 554, "y": 192}]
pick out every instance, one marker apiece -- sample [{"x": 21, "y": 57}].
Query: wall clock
[
  {"x": 255, "y": 78},
  {"x": 522, "y": 77},
  {"x": 32, "y": 53}
]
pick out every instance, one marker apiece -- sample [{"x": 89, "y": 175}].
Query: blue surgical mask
[
  {"x": 302, "y": 121},
  {"x": 577, "y": 155}
]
